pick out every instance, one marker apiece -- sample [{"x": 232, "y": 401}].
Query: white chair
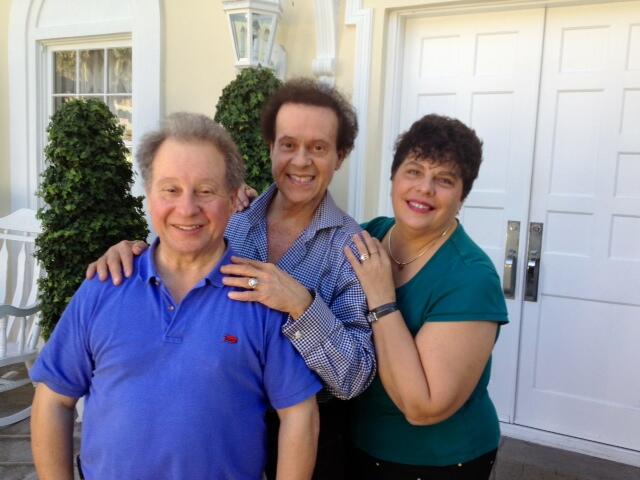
[{"x": 19, "y": 311}]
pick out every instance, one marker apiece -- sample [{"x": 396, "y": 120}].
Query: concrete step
[
  {"x": 16, "y": 461},
  {"x": 18, "y": 471},
  {"x": 15, "y": 449},
  {"x": 22, "y": 428}
]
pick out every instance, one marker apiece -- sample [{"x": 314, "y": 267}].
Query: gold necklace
[{"x": 421, "y": 253}]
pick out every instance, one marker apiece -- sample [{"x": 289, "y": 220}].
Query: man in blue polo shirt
[{"x": 177, "y": 377}]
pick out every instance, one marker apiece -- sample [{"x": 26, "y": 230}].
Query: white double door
[{"x": 555, "y": 95}]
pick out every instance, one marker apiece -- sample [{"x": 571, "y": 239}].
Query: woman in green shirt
[{"x": 436, "y": 306}]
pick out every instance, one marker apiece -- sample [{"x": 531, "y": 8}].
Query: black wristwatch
[{"x": 377, "y": 313}]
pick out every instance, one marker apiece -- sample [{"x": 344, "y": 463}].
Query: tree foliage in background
[
  {"x": 238, "y": 110},
  {"x": 86, "y": 187}
]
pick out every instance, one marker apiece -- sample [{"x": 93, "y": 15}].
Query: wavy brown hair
[{"x": 442, "y": 140}]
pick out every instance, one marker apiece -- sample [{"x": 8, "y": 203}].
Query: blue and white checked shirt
[{"x": 333, "y": 335}]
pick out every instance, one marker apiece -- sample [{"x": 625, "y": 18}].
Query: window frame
[{"x": 96, "y": 43}]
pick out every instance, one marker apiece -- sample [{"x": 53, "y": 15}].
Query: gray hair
[{"x": 189, "y": 127}]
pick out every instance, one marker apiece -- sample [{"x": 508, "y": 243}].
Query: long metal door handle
[
  {"x": 532, "y": 274},
  {"x": 509, "y": 277},
  {"x": 510, "y": 259}
]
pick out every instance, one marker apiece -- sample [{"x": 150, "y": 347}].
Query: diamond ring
[
  {"x": 253, "y": 282},
  {"x": 364, "y": 256}
]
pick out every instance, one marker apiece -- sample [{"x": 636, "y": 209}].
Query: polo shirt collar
[
  {"x": 327, "y": 215},
  {"x": 148, "y": 272}
]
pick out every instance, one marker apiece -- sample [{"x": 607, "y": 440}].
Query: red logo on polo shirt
[{"x": 230, "y": 339}]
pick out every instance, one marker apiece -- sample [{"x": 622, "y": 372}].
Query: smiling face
[
  {"x": 426, "y": 196},
  {"x": 304, "y": 155},
  {"x": 188, "y": 200}
]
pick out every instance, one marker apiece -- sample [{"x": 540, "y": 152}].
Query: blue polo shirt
[{"x": 173, "y": 391}]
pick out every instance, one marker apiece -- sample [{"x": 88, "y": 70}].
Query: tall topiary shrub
[
  {"x": 238, "y": 110},
  {"x": 86, "y": 188}
]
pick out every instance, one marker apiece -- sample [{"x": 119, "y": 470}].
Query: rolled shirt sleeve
[{"x": 335, "y": 340}]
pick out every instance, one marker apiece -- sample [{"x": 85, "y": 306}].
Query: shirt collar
[
  {"x": 148, "y": 272},
  {"x": 327, "y": 215}
]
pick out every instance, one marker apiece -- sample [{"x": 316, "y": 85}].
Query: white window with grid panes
[
  {"x": 113, "y": 52},
  {"x": 101, "y": 71}
]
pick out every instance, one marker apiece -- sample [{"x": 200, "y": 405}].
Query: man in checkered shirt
[{"x": 291, "y": 239}]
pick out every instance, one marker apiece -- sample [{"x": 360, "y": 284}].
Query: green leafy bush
[
  {"x": 86, "y": 188},
  {"x": 238, "y": 110}
]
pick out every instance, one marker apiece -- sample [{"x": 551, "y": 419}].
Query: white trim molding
[
  {"x": 146, "y": 43},
  {"x": 29, "y": 36},
  {"x": 23, "y": 167},
  {"x": 362, "y": 19},
  {"x": 324, "y": 65}
]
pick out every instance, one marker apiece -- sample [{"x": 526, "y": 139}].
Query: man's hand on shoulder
[
  {"x": 116, "y": 261},
  {"x": 245, "y": 196}
]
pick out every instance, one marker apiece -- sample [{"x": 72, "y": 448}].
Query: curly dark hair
[
  {"x": 305, "y": 91},
  {"x": 439, "y": 139}
]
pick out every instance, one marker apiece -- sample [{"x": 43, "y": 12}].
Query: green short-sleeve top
[{"x": 458, "y": 283}]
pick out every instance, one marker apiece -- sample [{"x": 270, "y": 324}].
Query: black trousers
[
  {"x": 364, "y": 467},
  {"x": 332, "y": 444}
]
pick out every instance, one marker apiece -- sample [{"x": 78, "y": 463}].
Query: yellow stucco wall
[
  {"x": 199, "y": 61},
  {"x": 297, "y": 34},
  {"x": 4, "y": 110}
]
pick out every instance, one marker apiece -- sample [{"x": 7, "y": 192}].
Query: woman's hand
[
  {"x": 246, "y": 195},
  {"x": 116, "y": 260},
  {"x": 373, "y": 269},
  {"x": 274, "y": 288}
]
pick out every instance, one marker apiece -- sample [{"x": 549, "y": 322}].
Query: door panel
[
  {"x": 578, "y": 355},
  {"x": 484, "y": 69}
]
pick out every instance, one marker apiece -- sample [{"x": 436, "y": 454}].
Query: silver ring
[
  {"x": 253, "y": 282},
  {"x": 364, "y": 256}
]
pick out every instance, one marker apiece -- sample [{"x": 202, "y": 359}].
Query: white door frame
[{"x": 391, "y": 105}]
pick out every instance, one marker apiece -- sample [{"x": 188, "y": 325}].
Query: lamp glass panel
[
  {"x": 239, "y": 29},
  {"x": 261, "y": 34}
]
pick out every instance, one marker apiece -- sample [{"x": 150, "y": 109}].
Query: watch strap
[{"x": 377, "y": 313}]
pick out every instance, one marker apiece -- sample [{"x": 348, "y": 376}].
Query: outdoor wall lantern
[{"x": 253, "y": 25}]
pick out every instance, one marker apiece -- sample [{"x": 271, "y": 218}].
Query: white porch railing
[{"x": 19, "y": 312}]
